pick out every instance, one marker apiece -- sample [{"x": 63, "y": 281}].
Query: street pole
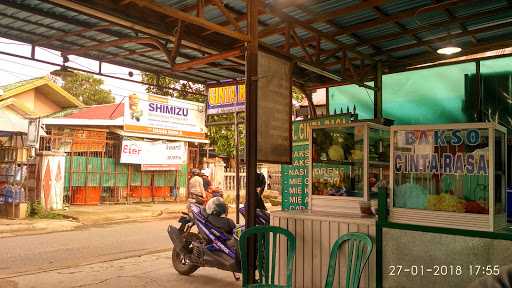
[
  {"x": 251, "y": 126},
  {"x": 237, "y": 170}
]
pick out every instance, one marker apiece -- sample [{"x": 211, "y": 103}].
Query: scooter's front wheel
[{"x": 181, "y": 263}]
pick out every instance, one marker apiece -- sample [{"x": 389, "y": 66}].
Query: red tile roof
[{"x": 103, "y": 112}]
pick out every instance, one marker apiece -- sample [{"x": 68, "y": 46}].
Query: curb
[{"x": 12, "y": 230}]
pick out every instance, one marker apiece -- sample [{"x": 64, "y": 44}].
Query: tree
[
  {"x": 175, "y": 88},
  {"x": 221, "y": 137},
  {"x": 297, "y": 94},
  {"x": 87, "y": 89}
]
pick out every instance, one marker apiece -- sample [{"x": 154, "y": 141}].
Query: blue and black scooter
[{"x": 210, "y": 246}]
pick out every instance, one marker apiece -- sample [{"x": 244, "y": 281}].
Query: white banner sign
[
  {"x": 164, "y": 116},
  {"x": 153, "y": 153}
]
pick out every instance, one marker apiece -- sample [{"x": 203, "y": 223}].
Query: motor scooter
[{"x": 210, "y": 246}]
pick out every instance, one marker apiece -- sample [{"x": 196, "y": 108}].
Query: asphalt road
[
  {"x": 116, "y": 255},
  {"x": 32, "y": 253}
]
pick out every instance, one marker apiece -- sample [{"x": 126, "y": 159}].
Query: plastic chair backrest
[
  {"x": 359, "y": 249},
  {"x": 267, "y": 272}
]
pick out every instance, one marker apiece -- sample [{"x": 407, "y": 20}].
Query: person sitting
[
  {"x": 217, "y": 211},
  {"x": 196, "y": 187}
]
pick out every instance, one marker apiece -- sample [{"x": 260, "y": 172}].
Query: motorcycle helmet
[{"x": 216, "y": 207}]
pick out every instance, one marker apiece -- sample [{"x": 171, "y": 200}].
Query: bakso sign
[{"x": 444, "y": 161}]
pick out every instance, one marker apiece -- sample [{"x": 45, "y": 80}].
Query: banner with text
[
  {"x": 226, "y": 99},
  {"x": 154, "y": 155},
  {"x": 164, "y": 116}
]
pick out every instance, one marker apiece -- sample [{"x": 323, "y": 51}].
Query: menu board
[{"x": 294, "y": 177}]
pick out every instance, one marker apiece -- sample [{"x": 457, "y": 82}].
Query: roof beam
[
  {"x": 434, "y": 25},
  {"x": 297, "y": 39},
  {"x": 401, "y": 27},
  {"x": 451, "y": 36},
  {"x": 416, "y": 30},
  {"x": 177, "y": 44},
  {"x": 77, "y": 32},
  {"x": 178, "y": 14},
  {"x": 128, "y": 54},
  {"x": 345, "y": 11},
  {"x": 118, "y": 22},
  {"x": 325, "y": 16},
  {"x": 335, "y": 26},
  {"x": 154, "y": 69},
  {"x": 104, "y": 16},
  {"x": 199, "y": 8},
  {"x": 117, "y": 42},
  {"x": 397, "y": 17},
  {"x": 292, "y": 20},
  {"x": 431, "y": 58},
  {"x": 453, "y": 17},
  {"x": 208, "y": 59},
  {"x": 226, "y": 13}
]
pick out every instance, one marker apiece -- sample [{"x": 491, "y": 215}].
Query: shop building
[
  {"x": 126, "y": 152},
  {"x": 21, "y": 105}
]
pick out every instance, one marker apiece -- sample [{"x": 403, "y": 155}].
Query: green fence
[{"x": 95, "y": 171}]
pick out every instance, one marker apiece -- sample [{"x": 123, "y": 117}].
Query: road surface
[{"x": 116, "y": 255}]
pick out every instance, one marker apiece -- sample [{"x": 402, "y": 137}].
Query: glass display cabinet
[
  {"x": 451, "y": 175},
  {"x": 347, "y": 164}
]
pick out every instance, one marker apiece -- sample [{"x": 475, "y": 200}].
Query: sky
[{"x": 13, "y": 69}]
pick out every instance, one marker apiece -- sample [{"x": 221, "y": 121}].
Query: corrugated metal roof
[
  {"x": 379, "y": 30},
  {"x": 35, "y": 20},
  {"x": 356, "y": 18}
]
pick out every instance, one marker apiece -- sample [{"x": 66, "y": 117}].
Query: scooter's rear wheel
[{"x": 181, "y": 264}]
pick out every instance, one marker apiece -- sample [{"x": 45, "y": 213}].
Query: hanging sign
[
  {"x": 445, "y": 160},
  {"x": 154, "y": 155},
  {"x": 164, "y": 116},
  {"x": 33, "y": 132},
  {"x": 226, "y": 99},
  {"x": 274, "y": 109}
]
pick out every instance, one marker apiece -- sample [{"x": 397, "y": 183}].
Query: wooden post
[
  {"x": 237, "y": 171},
  {"x": 251, "y": 126},
  {"x": 377, "y": 94},
  {"x": 129, "y": 183}
]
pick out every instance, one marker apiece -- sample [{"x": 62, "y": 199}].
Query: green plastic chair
[
  {"x": 359, "y": 249},
  {"x": 266, "y": 272}
]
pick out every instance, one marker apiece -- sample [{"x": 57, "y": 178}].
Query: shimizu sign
[
  {"x": 164, "y": 116},
  {"x": 226, "y": 99},
  {"x": 154, "y": 155}
]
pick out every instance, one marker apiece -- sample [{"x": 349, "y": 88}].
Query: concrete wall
[{"x": 408, "y": 248}]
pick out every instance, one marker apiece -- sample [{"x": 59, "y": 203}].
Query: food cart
[
  {"x": 451, "y": 175},
  {"x": 347, "y": 163},
  {"x": 447, "y": 206}
]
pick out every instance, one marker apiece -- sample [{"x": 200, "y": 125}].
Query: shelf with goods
[
  {"x": 450, "y": 175},
  {"x": 347, "y": 163}
]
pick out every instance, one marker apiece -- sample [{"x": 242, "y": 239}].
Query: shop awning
[
  {"x": 82, "y": 122},
  {"x": 151, "y": 136}
]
